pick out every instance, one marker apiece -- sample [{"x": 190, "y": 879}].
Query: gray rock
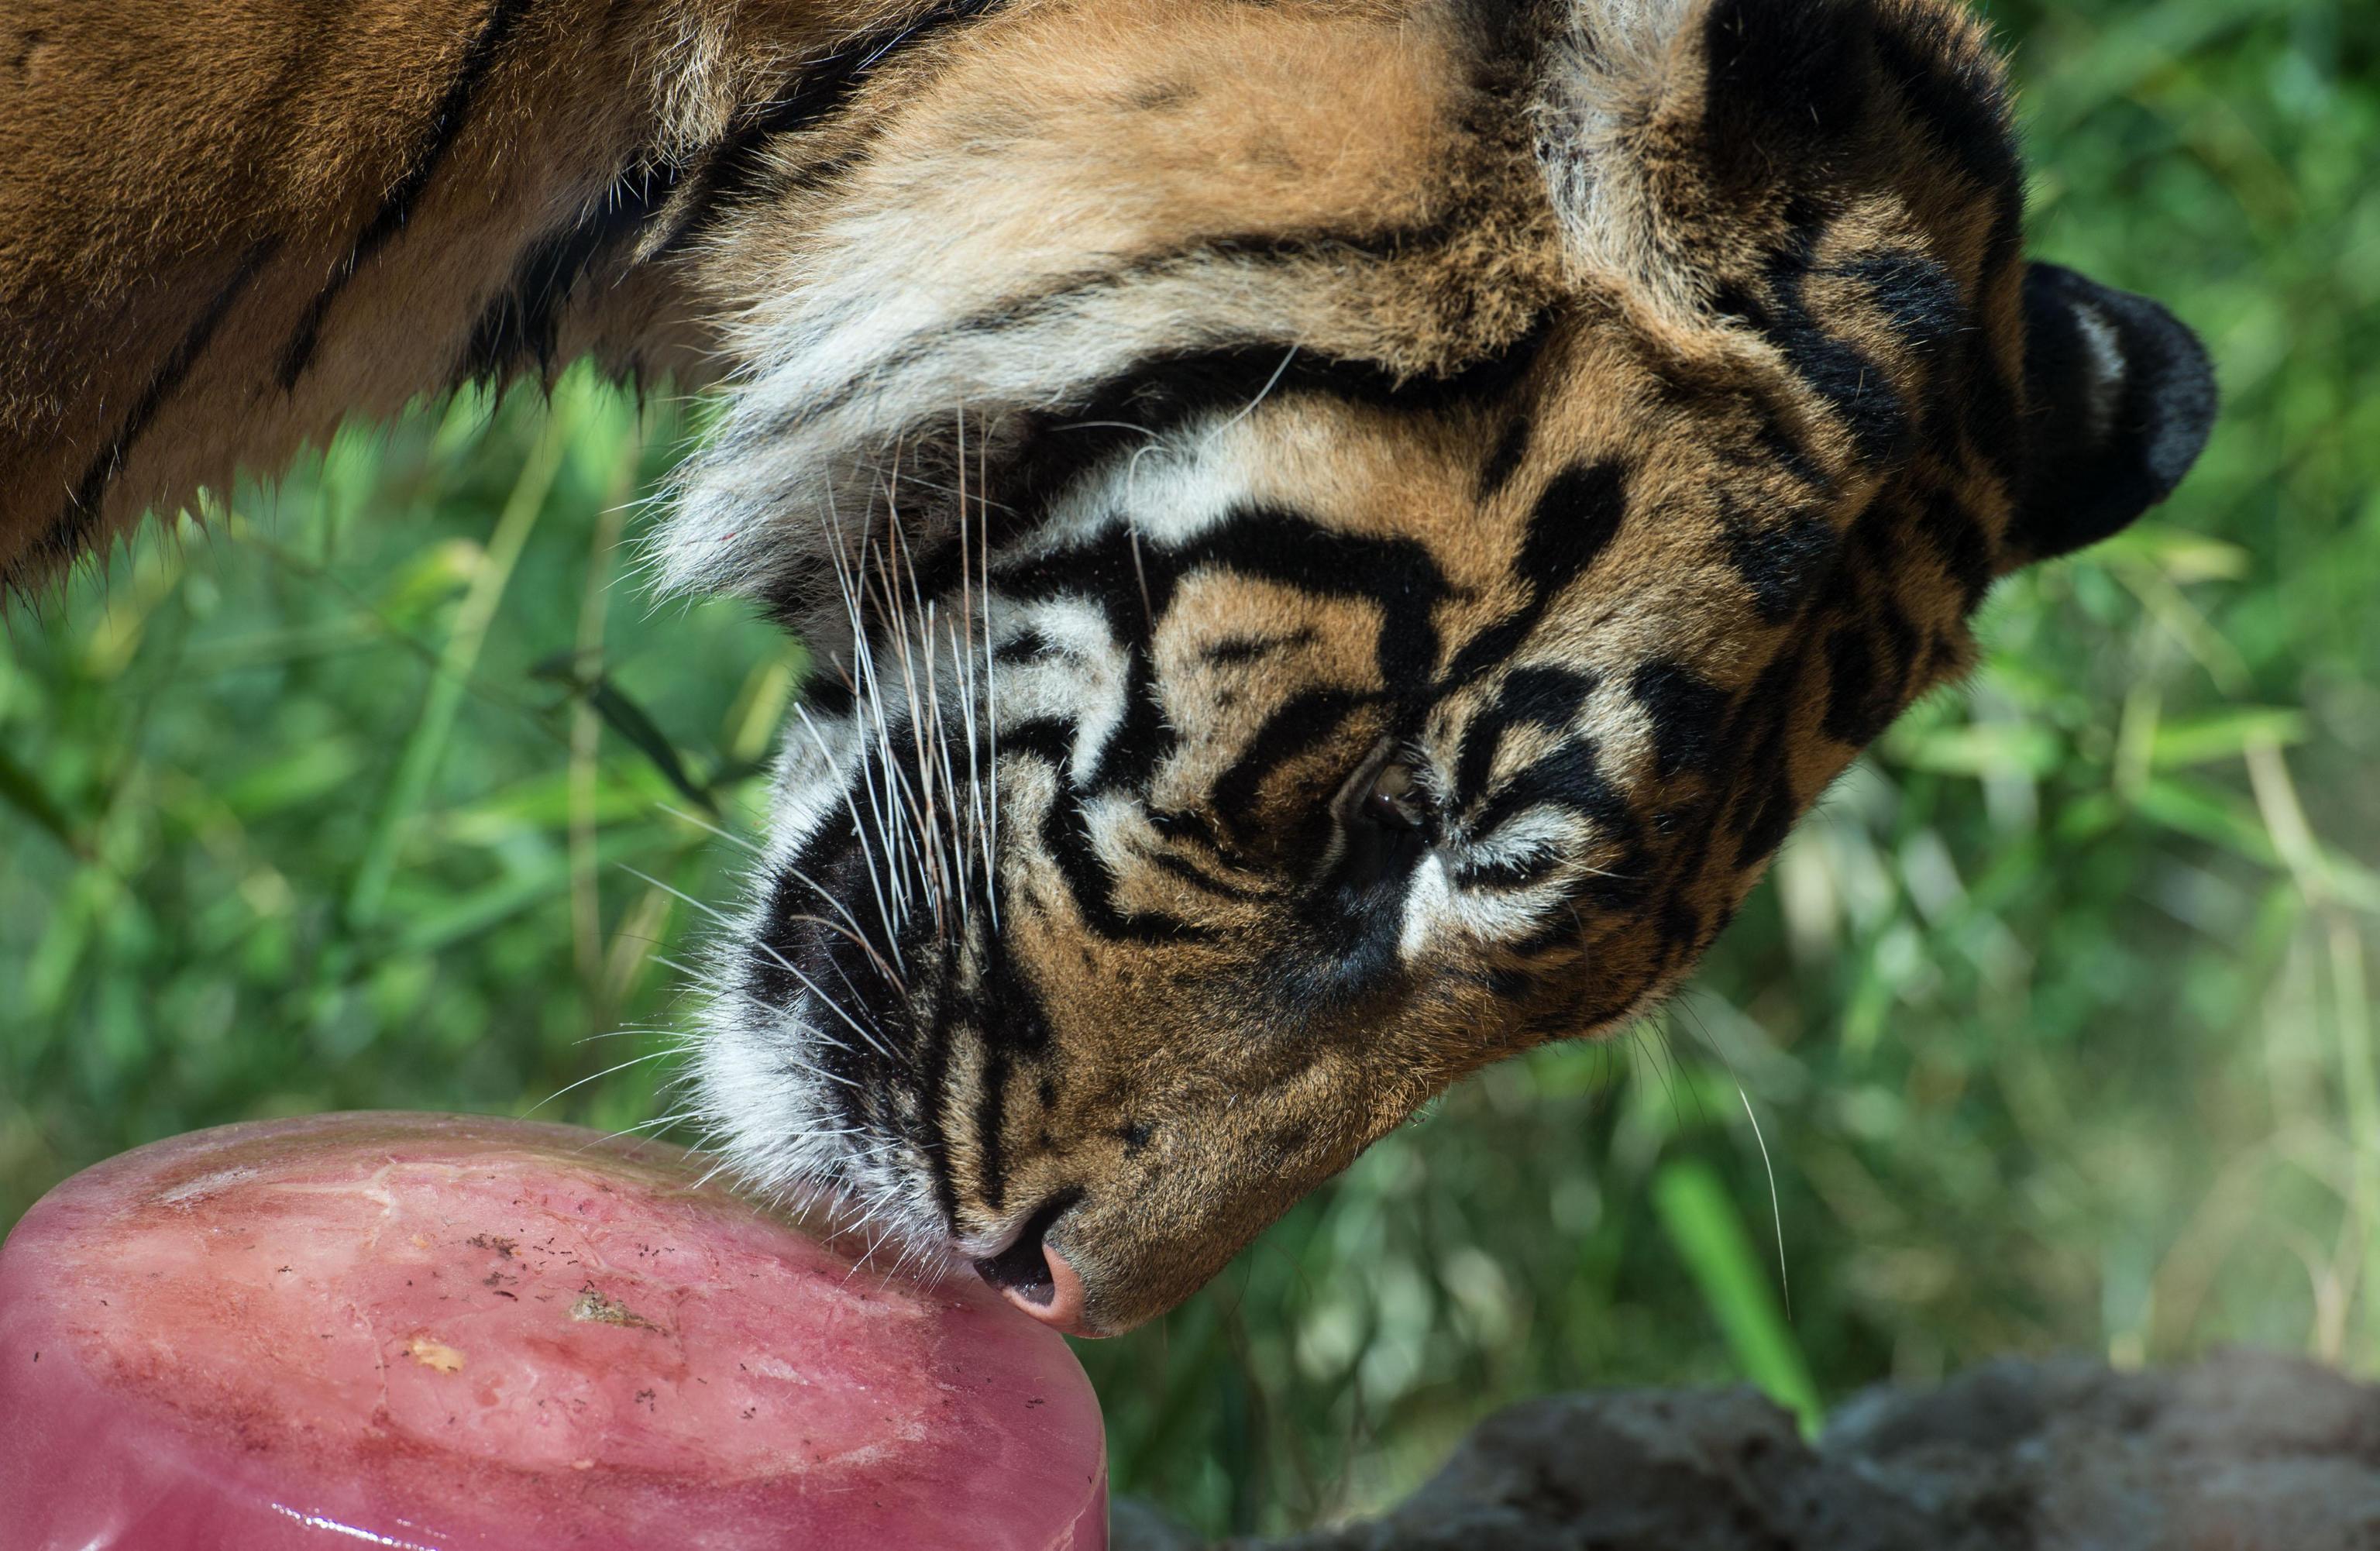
[
  {"x": 2245, "y": 1452},
  {"x": 1134, "y": 1526}
]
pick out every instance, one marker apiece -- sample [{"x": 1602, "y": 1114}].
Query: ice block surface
[{"x": 451, "y": 1334}]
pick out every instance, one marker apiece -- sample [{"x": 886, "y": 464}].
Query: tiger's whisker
[{"x": 633, "y": 1061}]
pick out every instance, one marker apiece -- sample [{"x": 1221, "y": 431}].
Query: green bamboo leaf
[
  {"x": 630, "y": 720},
  {"x": 2224, "y": 734},
  {"x": 1709, "y": 1234},
  {"x": 541, "y": 802},
  {"x": 626, "y": 718},
  {"x": 2134, "y": 46},
  {"x": 427, "y": 747},
  {"x": 294, "y": 778},
  {"x": 430, "y": 578},
  {"x": 1979, "y": 748},
  {"x": 2185, "y": 557},
  {"x": 467, "y": 915},
  {"x": 2208, "y": 813},
  {"x": 23, "y": 791}
]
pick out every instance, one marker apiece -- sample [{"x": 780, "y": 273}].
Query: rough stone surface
[{"x": 2247, "y": 1452}]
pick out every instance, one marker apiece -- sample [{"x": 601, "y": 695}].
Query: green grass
[
  {"x": 2057, "y": 1019},
  {"x": 1750, "y": 1300}
]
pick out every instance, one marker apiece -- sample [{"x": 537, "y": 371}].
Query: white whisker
[
  {"x": 741, "y": 842},
  {"x": 633, "y": 1060}
]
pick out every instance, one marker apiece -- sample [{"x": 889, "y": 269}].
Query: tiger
[{"x": 1337, "y": 537}]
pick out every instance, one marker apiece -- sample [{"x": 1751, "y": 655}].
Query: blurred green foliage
[{"x": 2054, "y": 1027}]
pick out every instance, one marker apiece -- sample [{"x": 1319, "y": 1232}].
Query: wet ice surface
[
  {"x": 460, "y": 1334},
  {"x": 512, "y": 1308}
]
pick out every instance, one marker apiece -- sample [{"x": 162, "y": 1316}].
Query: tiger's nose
[
  {"x": 1035, "y": 1276},
  {"x": 1058, "y": 1301}
]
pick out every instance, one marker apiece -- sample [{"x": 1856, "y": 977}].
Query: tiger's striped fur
[{"x": 1345, "y": 533}]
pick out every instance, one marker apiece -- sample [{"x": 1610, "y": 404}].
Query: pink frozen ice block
[{"x": 423, "y": 1332}]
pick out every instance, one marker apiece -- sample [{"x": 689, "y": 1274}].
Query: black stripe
[
  {"x": 1571, "y": 779},
  {"x": 990, "y": 1120},
  {"x": 1853, "y": 386},
  {"x": 1047, "y": 738},
  {"x": 1304, "y": 722},
  {"x": 933, "y": 1075},
  {"x": 1873, "y": 647},
  {"x": 827, "y": 691},
  {"x": 797, "y": 934},
  {"x": 1916, "y": 293},
  {"x": 1505, "y": 461},
  {"x": 522, "y": 324},
  {"x": 1574, "y": 521},
  {"x": 1007, "y": 1010},
  {"x": 1679, "y": 928},
  {"x": 1143, "y": 738},
  {"x": 1133, "y": 586},
  {"x": 1161, "y": 394},
  {"x": 1066, "y": 836},
  {"x": 1781, "y": 556},
  {"x": 1199, "y": 878},
  {"x": 1530, "y": 867},
  {"x": 1188, "y": 825},
  {"x": 1236, "y": 650},
  {"x": 1398, "y": 576},
  {"x": 77, "y": 526},
  {"x": 1572, "y": 782},
  {"x": 1173, "y": 388},
  {"x": 1764, "y": 803},
  {"x": 1782, "y": 542},
  {"x": 801, "y": 947},
  {"x": 1689, "y": 716},
  {"x": 1538, "y": 696},
  {"x": 1958, "y": 540},
  {"x": 738, "y": 162},
  {"x": 445, "y": 124},
  {"x": 1588, "y": 1007},
  {"x": 1960, "y": 102}
]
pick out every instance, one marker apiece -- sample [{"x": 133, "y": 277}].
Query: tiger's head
[{"x": 1338, "y": 537}]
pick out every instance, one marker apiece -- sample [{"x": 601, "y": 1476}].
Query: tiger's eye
[{"x": 1395, "y": 800}]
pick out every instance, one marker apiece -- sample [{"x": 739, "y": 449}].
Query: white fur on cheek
[
  {"x": 760, "y": 1071},
  {"x": 770, "y": 1118},
  {"x": 755, "y": 1082}
]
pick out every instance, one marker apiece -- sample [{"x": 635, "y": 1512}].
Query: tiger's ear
[
  {"x": 2118, "y": 401},
  {"x": 1702, "y": 149}
]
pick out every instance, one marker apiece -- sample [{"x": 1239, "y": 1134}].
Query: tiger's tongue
[{"x": 453, "y": 1334}]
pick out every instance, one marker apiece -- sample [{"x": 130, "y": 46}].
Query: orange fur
[
  {"x": 164, "y": 162},
  {"x": 1341, "y": 532}
]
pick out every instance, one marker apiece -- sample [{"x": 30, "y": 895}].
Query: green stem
[{"x": 426, "y": 748}]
